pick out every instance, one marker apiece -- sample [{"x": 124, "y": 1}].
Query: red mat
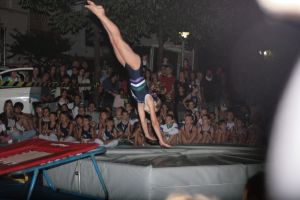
[{"x": 42, "y": 152}]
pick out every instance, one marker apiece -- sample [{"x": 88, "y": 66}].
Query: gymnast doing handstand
[{"x": 132, "y": 62}]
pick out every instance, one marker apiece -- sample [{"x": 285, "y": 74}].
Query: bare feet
[{"x": 96, "y": 9}]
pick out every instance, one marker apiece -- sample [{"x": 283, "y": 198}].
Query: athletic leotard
[{"x": 138, "y": 85}]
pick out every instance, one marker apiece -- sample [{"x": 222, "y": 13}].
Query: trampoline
[{"x": 38, "y": 155}]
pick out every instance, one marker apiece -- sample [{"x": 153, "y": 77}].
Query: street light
[{"x": 184, "y": 36}]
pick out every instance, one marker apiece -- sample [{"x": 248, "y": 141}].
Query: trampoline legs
[
  {"x": 32, "y": 184},
  {"x": 100, "y": 176},
  {"x": 48, "y": 180}
]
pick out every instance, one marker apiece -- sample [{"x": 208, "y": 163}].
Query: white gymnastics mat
[{"x": 154, "y": 173}]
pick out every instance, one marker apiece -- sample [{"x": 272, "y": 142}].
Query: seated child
[
  {"x": 87, "y": 133},
  {"x": 188, "y": 132},
  {"x": 108, "y": 137},
  {"x": 49, "y": 130},
  {"x": 170, "y": 130}
]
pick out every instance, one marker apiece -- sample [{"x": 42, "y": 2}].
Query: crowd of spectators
[{"x": 196, "y": 108}]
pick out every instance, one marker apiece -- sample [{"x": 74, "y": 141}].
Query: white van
[{"x": 26, "y": 95}]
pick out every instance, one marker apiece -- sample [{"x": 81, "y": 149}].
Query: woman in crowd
[{"x": 7, "y": 116}]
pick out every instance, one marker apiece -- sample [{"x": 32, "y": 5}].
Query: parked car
[{"x": 26, "y": 95}]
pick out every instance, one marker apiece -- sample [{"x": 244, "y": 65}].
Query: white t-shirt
[
  {"x": 170, "y": 129},
  {"x": 2, "y": 128}
]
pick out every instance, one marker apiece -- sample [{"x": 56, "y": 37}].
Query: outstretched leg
[{"x": 123, "y": 52}]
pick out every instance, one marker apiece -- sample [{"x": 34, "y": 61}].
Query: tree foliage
[
  {"x": 137, "y": 18},
  {"x": 38, "y": 47}
]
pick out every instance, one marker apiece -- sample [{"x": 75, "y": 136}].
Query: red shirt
[{"x": 168, "y": 82}]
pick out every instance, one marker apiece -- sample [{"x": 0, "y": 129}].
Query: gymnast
[{"x": 132, "y": 62}]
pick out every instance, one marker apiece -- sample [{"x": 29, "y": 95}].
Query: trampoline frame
[{"x": 43, "y": 168}]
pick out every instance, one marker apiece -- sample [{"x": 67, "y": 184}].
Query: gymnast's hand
[{"x": 96, "y": 9}]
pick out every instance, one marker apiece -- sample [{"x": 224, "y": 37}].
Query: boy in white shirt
[{"x": 170, "y": 130}]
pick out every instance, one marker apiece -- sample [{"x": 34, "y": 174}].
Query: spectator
[
  {"x": 111, "y": 87},
  {"x": 132, "y": 112},
  {"x": 207, "y": 130},
  {"x": 240, "y": 132},
  {"x": 78, "y": 126},
  {"x": 83, "y": 78},
  {"x": 209, "y": 89},
  {"x": 230, "y": 121},
  {"x": 44, "y": 121},
  {"x": 179, "y": 105},
  {"x": 99, "y": 96},
  {"x": 148, "y": 77},
  {"x": 53, "y": 74},
  {"x": 75, "y": 105},
  {"x": 163, "y": 112},
  {"x": 145, "y": 62},
  {"x": 120, "y": 99},
  {"x": 124, "y": 126},
  {"x": 109, "y": 134},
  {"x": 81, "y": 110},
  {"x": 66, "y": 129},
  {"x": 35, "y": 76},
  {"x": 168, "y": 82},
  {"x": 170, "y": 130},
  {"x": 195, "y": 97},
  {"x": 118, "y": 116},
  {"x": 24, "y": 129},
  {"x": 91, "y": 111},
  {"x": 62, "y": 72},
  {"x": 87, "y": 133},
  {"x": 64, "y": 98},
  {"x": 139, "y": 139},
  {"x": 186, "y": 65},
  {"x": 38, "y": 114},
  {"x": 7, "y": 117},
  {"x": 102, "y": 120},
  {"x": 46, "y": 93},
  {"x": 188, "y": 132},
  {"x": 13, "y": 77},
  {"x": 49, "y": 131},
  {"x": 221, "y": 136},
  {"x": 156, "y": 86}
]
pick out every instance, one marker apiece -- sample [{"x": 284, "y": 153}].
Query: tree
[
  {"x": 39, "y": 47},
  {"x": 137, "y": 18},
  {"x": 67, "y": 16}
]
